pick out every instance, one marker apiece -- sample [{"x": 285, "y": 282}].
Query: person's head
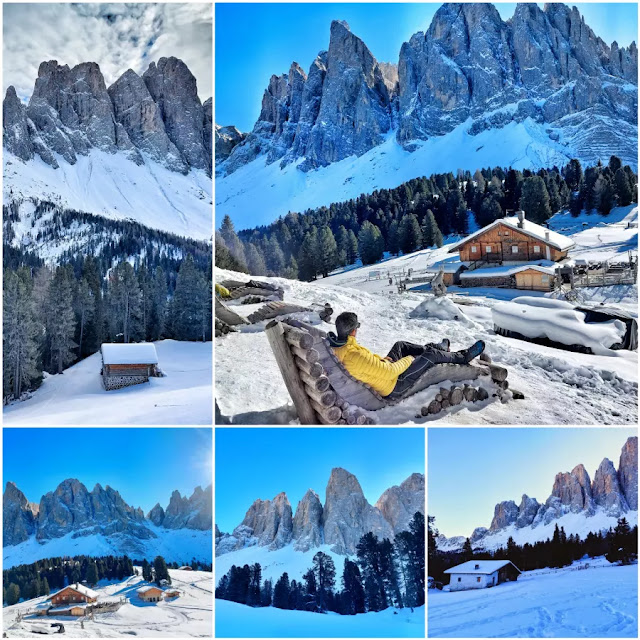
[{"x": 347, "y": 324}]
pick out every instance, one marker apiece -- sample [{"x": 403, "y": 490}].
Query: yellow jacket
[
  {"x": 370, "y": 368},
  {"x": 223, "y": 292}
]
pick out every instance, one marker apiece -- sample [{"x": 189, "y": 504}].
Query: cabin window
[
  {"x": 545, "y": 279},
  {"x": 478, "y": 579},
  {"x": 489, "y": 249},
  {"x": 536, "y": 248},
  {"x": 474, "y": 249},
  {"x": 506, "y": 233},
  {"x": 459, "y": 579},
  {"x": 514, "y": 248},
  {"x": 477, "y": 567}
]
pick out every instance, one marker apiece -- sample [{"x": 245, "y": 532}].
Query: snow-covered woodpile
[{"x": 273, "y": 310}]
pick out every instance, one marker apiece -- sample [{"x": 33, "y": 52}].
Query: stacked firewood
[
  {"x": 273, "y": 310},
  {"x": 222, "y": 328},
  {"x": 328, "y": 406}
]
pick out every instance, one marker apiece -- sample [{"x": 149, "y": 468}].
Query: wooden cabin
[
  {"x": 150, "y": 593},
  {"x": 74, "y": 593},
  {"x": 481, "y": 574},
  {"x": 531, "y": 277},
  {"x": 513, "y": 239},
  {"x": 124, "y": 365},
  {"x": 535, "y": 278},
  {"x": 451, "y": 270},
  {"x": 171, "y": 592}
]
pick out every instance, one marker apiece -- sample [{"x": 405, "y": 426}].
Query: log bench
[{"x": 324, "y": 392}]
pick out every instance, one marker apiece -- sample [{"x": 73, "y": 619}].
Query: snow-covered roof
[
  {"x": 448, "y": 266},
  {"x": 505, "y": 270},
  {"x": 481, "y": 566},
  {"x": 150, "y": 587},
  {"x": 556, "y": 240},
  {"x": 80, "y": 588},
  {"x": 68, "y": 607},
  {"x": 138, "y": 353}
]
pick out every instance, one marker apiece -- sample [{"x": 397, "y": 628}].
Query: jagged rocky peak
[
  {"x": 478, "y": 534},
  {"x": 17, "y": 516},
  {"x": 226, "y": 138},
  {"x": 156, "y": 515},
  {"x": 307, "y": 523},
  {"x": 348, "y": 516},
  {"x": 504, "y": 514},
  {"x": 628, "y": 472},
  {"x": 173, "y": 88},
  {"x": 606, "y": 490},
  {"x": 270, "y": 522},
  {"x": 527, "y": 511},
  {"x": 399, "y": 504},
  {"x": 574, "y": 490},
  {"x": 15, "y": 130}
]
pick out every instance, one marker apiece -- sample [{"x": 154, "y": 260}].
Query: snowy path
[
  {"x": 600, "y": 602},
  {"x": 78, "y": 397},
  {"x": 239, "y": 621}
]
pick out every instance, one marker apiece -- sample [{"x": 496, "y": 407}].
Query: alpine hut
[
  {"x": 124, "y": 365},
  {"x": 480, "y": 574},
  {"x": 150, "y": 593}
]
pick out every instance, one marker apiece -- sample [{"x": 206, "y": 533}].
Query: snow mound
[
  {"x": 440, "y": 308},
  {"x": 558, "y": 321}
]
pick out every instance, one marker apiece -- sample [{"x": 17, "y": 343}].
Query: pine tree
[
  {"x": 20, "y": 335},
  {"x": 92, "y": 574},
  {"x": 158, "y": 309},
  {"x": 327, "y": 251},
  {"x": 124, "y": 297},
  {"x": 147, "y": 575},
  {"x": 255, "y": 260},
  {"x": 13, "y": 594},
  {"x": 274, "y": 257},
  {"x": 266, "y": 594},
  {"x": 393, "y": 238},
  {"x": 573, "y": 175},
  {"x": 281, "y": 592},
  {"x": 325, "y": 574},
  {"x": 353, "y": 597},
  {"x": 222, "y": 588},
  {"x": 160, "y": 570},
  {"x": 410, "y": 234},
  {"x": 60, "y": 324},
  {"x": 370, "y": 243},
  {"x": 310, "y": 591},
  {"x": 84, "y": 306},
  {"x": 369, "y": 562},
  {"x": 467, "y": 550},
  {"x": 255, "y": 579},
  {"x": 352, "y": 248},
  {"x": 623, "y": 189},
  {"x": 45, "y": 586},
  {"x": 308, "y": 263},
  {"x": 231, "y": 240},
  {"x": 535, "y": 200},
  {"x": 96, "y": 323},
  {"x": 191, "y": 303}
]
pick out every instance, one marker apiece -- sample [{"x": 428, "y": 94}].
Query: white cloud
[{"x": 116, "y": 36}]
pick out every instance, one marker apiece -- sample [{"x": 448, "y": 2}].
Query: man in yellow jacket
[{"x": 393, "y": 375}]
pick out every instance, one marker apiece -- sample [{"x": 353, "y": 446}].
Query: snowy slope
[
  {"x": 573, "y": 523},
  {"x": 598, "y": 602},
  {"x": 189, "y": 615},
  {"x": 77, "y": 397},
  {"x": 174, "y": 545},
  {"x": 116, "y": 188},
  {"x": 523, "y": 145},
  {"x": 275, "y": 563},
  {"x": 235, "y": 620}
]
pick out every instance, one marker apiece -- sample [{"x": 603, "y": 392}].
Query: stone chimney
[
  {"x": 520, "y": 215},
  {"x": 546, "y": 236}
]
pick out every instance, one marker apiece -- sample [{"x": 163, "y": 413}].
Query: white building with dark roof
[{"x": 480, "y": 574}]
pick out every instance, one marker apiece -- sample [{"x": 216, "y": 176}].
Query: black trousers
[{"x": 425, "y": 357}]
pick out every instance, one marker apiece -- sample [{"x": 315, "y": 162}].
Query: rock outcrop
[
  {"x": 471, "y": 67},
  {"x": 307, "y": 523},
  {"x": 628, "y": 472},
  {"x": 504, "y": 515},
  {"x": 71, "y": 112},
  {"x": 607, "y": 492},
  {"x": 226, "y": 138},
  {"x": 72, "y": 509},
  {"x": 527, "y": 511},
  {"x": 399, "y": 504},
  {"x": 347, "y": 515},
  {"x": 17, "y": 516}
]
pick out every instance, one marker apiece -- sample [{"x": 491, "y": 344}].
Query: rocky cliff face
[
  {"x": 307, "y": 523},
  {"x": 17, "y": 516},
  {"x": 399, "y": 504},
  {"x": 470, "y": 66},
  {"x": 72, "y": 509},
  {"x": 612, "y": 493},
  {"x": 628, "y": 472},
  {"x": 158, "y": 117},
  {"x": 226, "y": 138},
  {"x": 345, "y": 517}
]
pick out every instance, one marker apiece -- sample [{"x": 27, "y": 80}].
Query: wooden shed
[
  {"x": 513, "y": 239},
  {"x": 124, "y": 365},
  {"x": 150, "y": 593},
  {"x": 451, "y": 270},
  {"x": 535, "y": 278}
]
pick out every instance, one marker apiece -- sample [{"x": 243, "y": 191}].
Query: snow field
[
  {"x": 598, "y": 602},
  {"x": 77, "y": 397},
  {"x": 189, "y": 615},
  {"x": 235, "y": 620}
]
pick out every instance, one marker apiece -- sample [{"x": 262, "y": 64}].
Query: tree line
[
  {"x": 384, "y": 574},
  {"x": 56, "y": 316},
  {"x": 417, "y": 215},
  {"x": 619, "y": 545}
]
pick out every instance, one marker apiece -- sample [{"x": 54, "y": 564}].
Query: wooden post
[{"x": 289, "y": 371}]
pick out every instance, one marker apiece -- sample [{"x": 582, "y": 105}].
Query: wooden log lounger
[{"x": 324, "y": 392}]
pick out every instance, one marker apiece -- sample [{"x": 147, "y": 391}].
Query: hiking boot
[
  {"x": 444, "y": 345},
  {"x": 473, "y": 351}
]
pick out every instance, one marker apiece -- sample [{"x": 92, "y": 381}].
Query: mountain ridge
[
  {"x": 340, "y": 523},
  {"x": 582, "y": 503}
]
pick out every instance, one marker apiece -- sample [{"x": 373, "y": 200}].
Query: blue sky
[
  {"x": 260, "y": 463},
  {"x": 144, "y": 465},
  {"x": 471, "y": 470},
  {"x": 255, "y": 41}
]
